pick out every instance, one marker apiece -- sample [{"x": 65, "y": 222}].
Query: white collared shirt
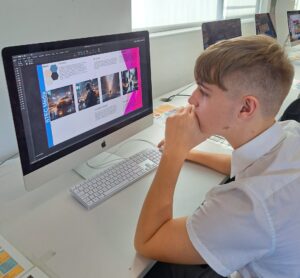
[{"x": 252, "y": 225}]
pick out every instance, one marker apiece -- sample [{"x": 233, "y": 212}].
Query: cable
[
  {"x": 9, "y": 158},
  {"x": 105, "y": 162},
  {"x": 167, "y": 99}
]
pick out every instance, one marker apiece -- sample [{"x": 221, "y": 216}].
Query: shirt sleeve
[{"x": 230, "y": 229}]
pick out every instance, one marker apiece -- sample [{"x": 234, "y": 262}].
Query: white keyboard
[{"x": 94, "y": 191}]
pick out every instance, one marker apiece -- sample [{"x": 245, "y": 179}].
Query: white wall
[
  {"x": 29, "y": 21},
  {"x": 172, "y": 60}
]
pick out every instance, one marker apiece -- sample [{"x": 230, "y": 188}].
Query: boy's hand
[{"x": 182, "y": 132}]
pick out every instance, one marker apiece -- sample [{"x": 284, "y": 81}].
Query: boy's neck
[{"x": 242, "y": 136}]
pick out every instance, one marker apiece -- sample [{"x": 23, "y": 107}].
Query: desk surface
[{"x": 65, "y": 240}]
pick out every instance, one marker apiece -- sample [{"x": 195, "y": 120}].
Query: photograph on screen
[
  {"x": 129, "y": 81},
  {"x": 264, "y": 25},
  {"x": 110, "y": 86},
  {"x": 87, "y": 93},
  {"x": 215, "y": 31},
  {"x": 61, "y": 102},
  {"x": 294, "y": 26}
]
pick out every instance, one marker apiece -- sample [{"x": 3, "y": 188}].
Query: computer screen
[
  {"x": 215, "y": 31},
  {"x": 72, "y": 99},
  {"x": 293, "y": 18},
  {"x": 264, "y": 25}
]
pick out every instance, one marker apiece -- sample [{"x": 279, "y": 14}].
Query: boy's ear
[{"x": 249, "y": 106}]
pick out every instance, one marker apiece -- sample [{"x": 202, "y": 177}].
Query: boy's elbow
[
  {"x": 138, "y": 246},
  {"x": 141, "y": 248}
]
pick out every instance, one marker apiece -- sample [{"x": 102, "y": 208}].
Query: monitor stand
[{"x": 96, "y": 165}]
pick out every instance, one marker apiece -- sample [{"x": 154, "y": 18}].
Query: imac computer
[
  {"x": 215, "y": 31},
  {"x": 264, "y": 25},
  {"x": 73, "y": 99},
  {"x": 293, "y": 18}
]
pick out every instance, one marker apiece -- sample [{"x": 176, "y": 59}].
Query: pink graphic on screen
[{"x": 132, "y": 60}]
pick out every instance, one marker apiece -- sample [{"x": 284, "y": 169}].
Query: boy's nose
[{"x": 192, "y": 100}]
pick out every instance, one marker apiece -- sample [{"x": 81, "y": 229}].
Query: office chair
[{"x": 292, "y": 112}]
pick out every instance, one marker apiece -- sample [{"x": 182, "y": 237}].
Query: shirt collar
[{"x": 245, "y": 155}]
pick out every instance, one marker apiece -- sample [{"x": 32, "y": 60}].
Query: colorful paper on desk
[
  {"x": 12, "y": 263},
  {"x": 162, "y": 109},
  {"x": 162, "y": 112}
]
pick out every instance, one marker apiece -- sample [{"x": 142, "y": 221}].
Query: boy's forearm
[
  {"x": 158, "y": 205},
  {"x": 215, "y": 161}
]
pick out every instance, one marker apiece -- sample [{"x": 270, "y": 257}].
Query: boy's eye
[{"x": 203, "y": 93}]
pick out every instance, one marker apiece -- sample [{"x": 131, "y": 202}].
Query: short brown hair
[{"x": 256, "y": 64}]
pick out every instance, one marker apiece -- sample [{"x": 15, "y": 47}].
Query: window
[
  {"x": 158, "y": 15},
  {"x": 240, "y": 8}
]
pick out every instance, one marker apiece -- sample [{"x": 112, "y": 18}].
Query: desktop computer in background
[
  {"x": 264, "y": 25},
  {"x": 73, "y": 99},
  {"x": 215, "y": 31},
  {"x": 293, "y": 18}
]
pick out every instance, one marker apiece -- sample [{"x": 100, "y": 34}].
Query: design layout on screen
[{"x": 83, "y": 93}]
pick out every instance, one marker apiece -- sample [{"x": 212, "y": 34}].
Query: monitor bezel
[{"x": 7, "y": 55}]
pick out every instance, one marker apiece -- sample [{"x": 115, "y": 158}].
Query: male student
[{"x": 250, "y": 225}]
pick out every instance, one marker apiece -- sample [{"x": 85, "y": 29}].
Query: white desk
[{"x": 65, "y": 240}]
